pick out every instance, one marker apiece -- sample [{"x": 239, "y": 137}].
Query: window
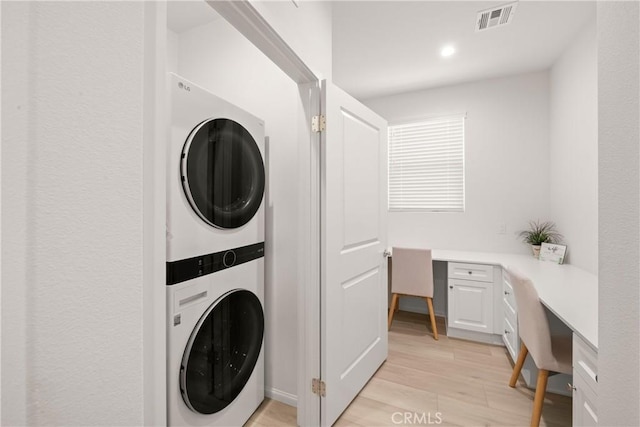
[{"x": 426, "y": 165}]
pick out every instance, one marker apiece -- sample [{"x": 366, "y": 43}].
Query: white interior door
[{"x": 353, "y": 242}]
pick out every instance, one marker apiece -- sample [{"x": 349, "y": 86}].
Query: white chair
[
  {"x": 412, "y": 275},
  {"x": 551, "y": 354}
]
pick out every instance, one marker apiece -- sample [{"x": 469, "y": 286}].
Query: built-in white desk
[{"x": 568, "y": 292}]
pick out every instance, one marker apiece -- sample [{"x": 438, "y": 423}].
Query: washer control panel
[{"x": 191, "y": 268}]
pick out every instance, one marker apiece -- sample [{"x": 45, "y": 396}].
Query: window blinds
[{"x": 426, "y": 165}]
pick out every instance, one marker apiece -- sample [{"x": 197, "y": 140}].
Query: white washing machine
[
  {"x": 215, "y": 176},
  {"x": 215, "y": 354},
  {"x": 215, "y": 259}
]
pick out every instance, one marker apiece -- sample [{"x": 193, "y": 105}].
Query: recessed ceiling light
[{"x": 447, "y": 51}]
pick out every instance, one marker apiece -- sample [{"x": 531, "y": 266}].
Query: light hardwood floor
[{"x": 458, "y": 382}]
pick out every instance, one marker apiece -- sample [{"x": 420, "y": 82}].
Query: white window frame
[{"x": 400, "y": 204}]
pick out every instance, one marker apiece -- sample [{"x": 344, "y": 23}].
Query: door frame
[{"x": 252, "y": 25}]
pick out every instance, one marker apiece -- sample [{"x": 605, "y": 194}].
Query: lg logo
[{"x": 184, "y": 86}]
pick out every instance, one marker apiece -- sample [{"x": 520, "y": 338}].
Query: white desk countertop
[{"x": 569, "y": 292}]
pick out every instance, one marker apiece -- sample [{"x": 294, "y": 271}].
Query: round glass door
[
  {"x": 222, "y": 351},
  {"x": 223, "y": 173}
]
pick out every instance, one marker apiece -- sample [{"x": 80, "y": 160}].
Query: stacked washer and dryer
[{"x": 215, "y": 260}]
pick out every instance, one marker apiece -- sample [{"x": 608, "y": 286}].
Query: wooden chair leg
[
  {"x": 538, "y": 401},
  {"x": 433, "y": 318},
  {"x": 394, "y": 303},
  {"x": 518, "y": 366}
]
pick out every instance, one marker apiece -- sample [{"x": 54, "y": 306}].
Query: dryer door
[
  {"x": 222, "y": 351},
  {"x": 222, "y": 173}
]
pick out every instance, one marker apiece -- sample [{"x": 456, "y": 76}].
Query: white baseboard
[
  {"x": 475, "y": 336},
  {"x": 415, "y": 305},
  {"x": 282, "y": 396}
]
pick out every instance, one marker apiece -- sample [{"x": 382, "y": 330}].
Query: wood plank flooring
[{"x": 458, "y": 382}]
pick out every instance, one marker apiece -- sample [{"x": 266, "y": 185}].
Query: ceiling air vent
[{"x": 495, "y": 17}]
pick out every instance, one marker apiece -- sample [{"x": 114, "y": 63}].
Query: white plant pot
[{"x": 536, "y": 250}]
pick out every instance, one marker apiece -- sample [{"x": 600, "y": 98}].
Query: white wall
[
  {"x": 173, "y": 42},
  {"x": 72, "y": 226},
  {"x": 574, "y": 148},
  {"x": 619, "y": 213},
  {"x": 220, "y": 59},
  {"x": 506, "y": 162},
  {"x": 74, "y": 207},
  {"x": 306, "y": 27}
]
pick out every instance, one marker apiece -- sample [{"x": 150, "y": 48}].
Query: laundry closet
[{"x": 206, "y": 52}]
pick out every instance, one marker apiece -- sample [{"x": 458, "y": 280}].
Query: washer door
[
  {"x": 222, "y": 351},
  {"x": 222, "y": 173}
]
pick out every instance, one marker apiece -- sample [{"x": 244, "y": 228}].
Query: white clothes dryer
[
  {"x": 215, "y": 360},
  {"x": 215, "y": 174}
]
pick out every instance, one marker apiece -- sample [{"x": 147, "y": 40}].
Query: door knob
[{"x": 386, "y": 253}]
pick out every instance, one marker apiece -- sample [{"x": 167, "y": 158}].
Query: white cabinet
[
  {"x": 585, "y": 383},
  {"x": 584, "y": 403},
  {"x": 510, "y": 336},
  {"x": 470, "y": 297}
]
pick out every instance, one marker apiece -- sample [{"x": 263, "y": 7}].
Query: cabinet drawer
[
  {"x": 508, "y": 298},
  {"x": 510, "y": 338},
  {"x": 476, "y": 272},
  {"x": 585, "y": 362},
  {"x": 511, "y": 316},
  {"x": 585, "y": 411},
  {"x": 505, "y": 276}
]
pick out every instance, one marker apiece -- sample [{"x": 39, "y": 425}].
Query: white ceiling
[{"x": 387, "y": 47}]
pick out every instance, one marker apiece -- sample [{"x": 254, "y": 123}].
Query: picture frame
[{"x": 552, "y": 252}]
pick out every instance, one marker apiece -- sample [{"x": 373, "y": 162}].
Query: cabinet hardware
[
  {"x": 571, "y": 387},
  {"x": 450, "y": 287},
  {"x": 507, "y": 293},
  {"x": 506, "y": 332}
]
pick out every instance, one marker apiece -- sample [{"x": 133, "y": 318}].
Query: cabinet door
[
  {"x": 584, "y": 403},
  {"x": 471, "y": 305}
]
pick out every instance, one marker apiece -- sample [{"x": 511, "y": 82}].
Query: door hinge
[
  {"x": 318, "y": 123},
  {"x": 318, "y": 387}
]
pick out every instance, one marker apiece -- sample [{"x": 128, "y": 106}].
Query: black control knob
[{"x": 229, "y": 258}]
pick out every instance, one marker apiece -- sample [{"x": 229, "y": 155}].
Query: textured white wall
[
  {"x": 506, "y": 162},
  {"x": 72, "y": 213},
  {"x": 619, "y": 213},
  {"x": 574, "y": 148},
  {"x": 0, "y": 228},
  {"x": 220, "y": 59}
]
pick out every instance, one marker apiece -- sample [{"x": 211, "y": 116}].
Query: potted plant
[{"x": 539, "y": 233}]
